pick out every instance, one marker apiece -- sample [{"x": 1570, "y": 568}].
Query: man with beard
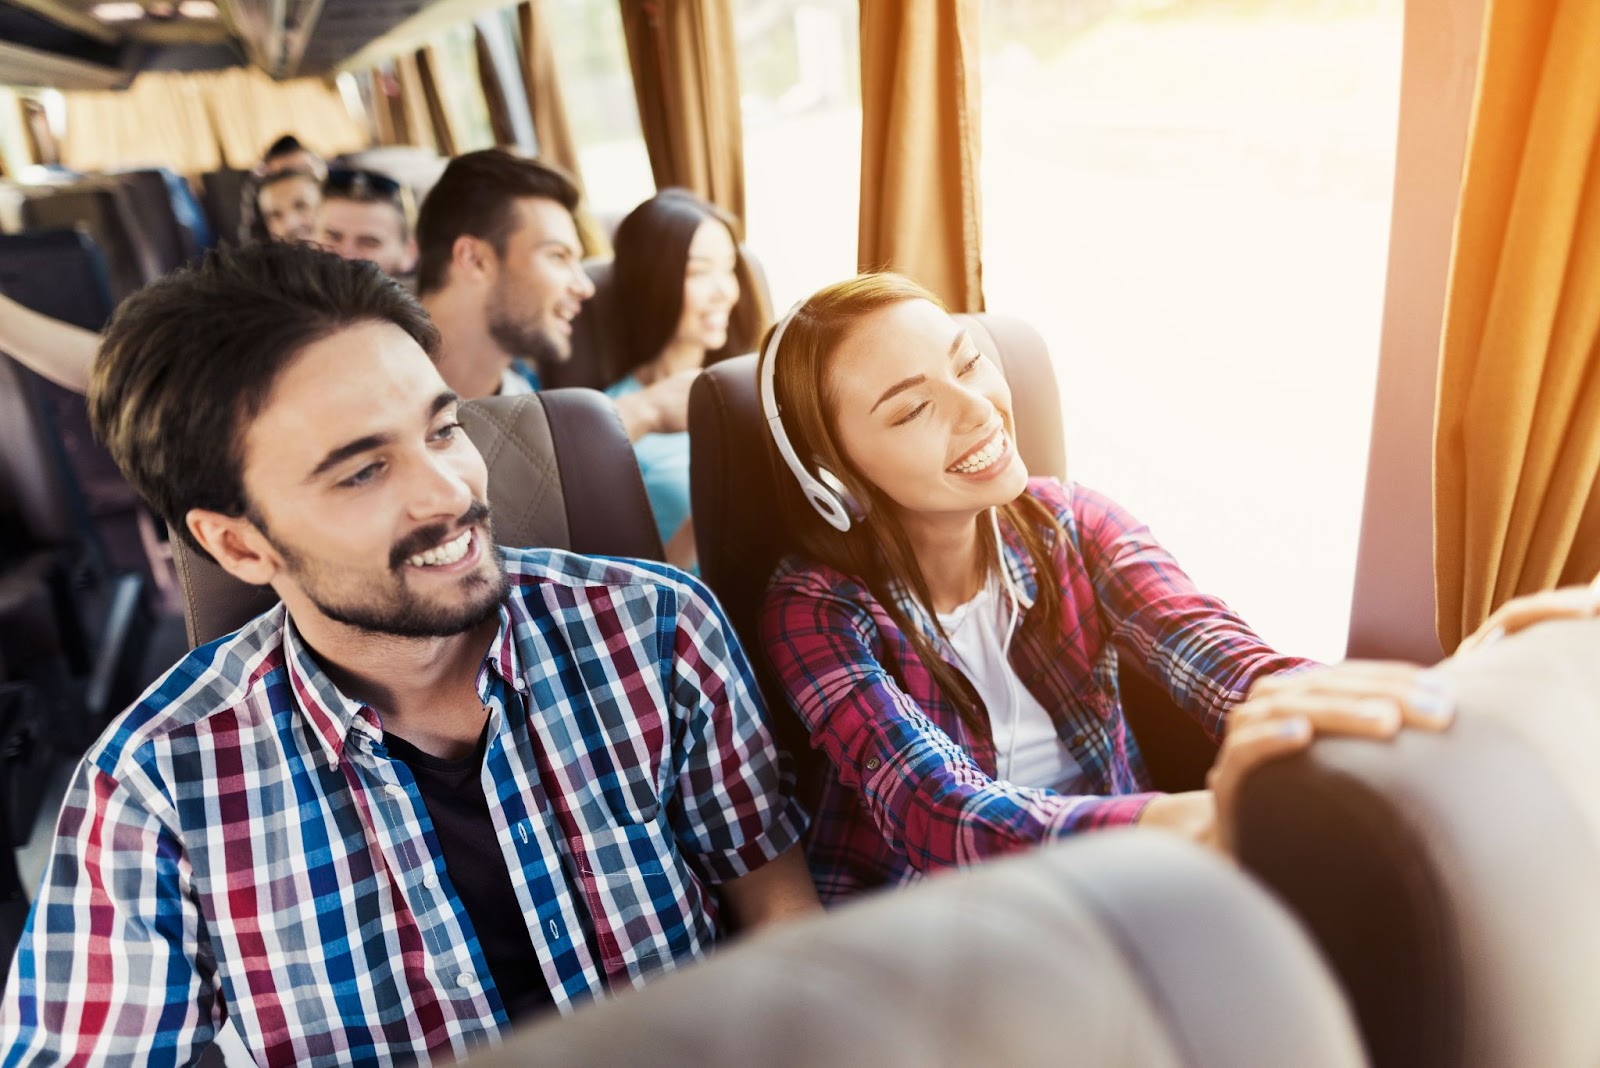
[
  {"x": 500, "y": 270},
  {"x": 442, "y": 786}
]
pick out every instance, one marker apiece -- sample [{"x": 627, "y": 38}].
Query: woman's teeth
[
  {"x": 448, "y": 553},
  {"x": 983, "y": 458}
]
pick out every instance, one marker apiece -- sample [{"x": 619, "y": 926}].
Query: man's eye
[
  {"x": 363, "y": 476},
  {"x": 446, "y": 432}
]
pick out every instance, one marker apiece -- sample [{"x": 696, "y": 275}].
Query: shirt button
[
  {"x": 872, "y": 763},
  {"x": 431, "y": 881},
  {"x": 466, "y": 979},
  {"x": 520, "y": 684},
  {"x": 395, "y": 790}
]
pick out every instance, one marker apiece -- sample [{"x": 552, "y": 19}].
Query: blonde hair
[{"x": 877, "y": 550}]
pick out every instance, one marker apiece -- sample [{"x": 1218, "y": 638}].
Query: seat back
[
  {"x": 1123, "y": 948},
  {"x": 1451, "y": 878},
  {"x": 561, "y": 474},
  {"x": 221, "y": 193},
  {"x": 597, "y": 345},
  {"x": 102, "y": 208},
  {"x": 157, "y": 230}
]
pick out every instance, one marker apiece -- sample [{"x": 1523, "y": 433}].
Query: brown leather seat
[
  {"x": 597, "y": 331},
  {"x": 1127, "y": 948},
  {"x": 561, "y": 474},
  {"x": 1452, "y": 879},
  {"x": 740, "y": 536}
]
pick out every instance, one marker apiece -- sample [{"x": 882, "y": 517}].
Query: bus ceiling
[{"x": 104, "y": 44}]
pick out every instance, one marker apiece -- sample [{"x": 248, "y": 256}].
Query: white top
[
  {"x": 513, "y": 384},
  {"x": 1039, "y": 759}
]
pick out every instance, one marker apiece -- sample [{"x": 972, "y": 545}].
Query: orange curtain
[
  {"x": 414, "y": 104},
  {"x": 920, "y": 145},
  {"x": 427, "y": 61},
  {"x": 1517, "y": 440},
  {"x": 686, "y": 80},
  {"x": 550, "y": 124},
  {"x": 494, "y": 97}
]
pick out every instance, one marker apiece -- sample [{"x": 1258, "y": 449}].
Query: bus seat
[
  {"x": 561, "y": 474},
  {"x": 1450, "y": 879},
  {"x": 166, "y": 245},
  {"x": 1124, "y": 948},
  {"x": 103, "y": 210},
  {"x": 740, "y": 536},
  {"x": 597, "y": 331},
  {"x": 220, "y": 195}
]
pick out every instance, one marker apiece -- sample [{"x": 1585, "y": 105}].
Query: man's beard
[
  {"x": 397, "y": 611},
  {"x": 518, "y": 336}
]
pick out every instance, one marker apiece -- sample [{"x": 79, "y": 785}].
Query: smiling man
[{"x": 443, "y": 786}]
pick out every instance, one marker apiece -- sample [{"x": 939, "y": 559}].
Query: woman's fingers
[
  {"x": 1572, "y": 602},
  {"x": 1358, "y": 697},
  {"x": 1253, "y": 745}
]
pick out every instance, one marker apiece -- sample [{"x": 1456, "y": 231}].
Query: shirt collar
[
  {"x": 333, "y": 715},
  {"x": 1024, "y": 578}
]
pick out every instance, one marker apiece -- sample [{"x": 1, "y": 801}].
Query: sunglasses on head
[{"x": 359, "y": 183}]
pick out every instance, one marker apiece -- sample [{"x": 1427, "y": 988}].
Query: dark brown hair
[
  {"x": 878, "y": 551},
  {"x": 188, "y": 362},
  {"x": 651, "y": 254},
  {"x": 475, "y": 197}
]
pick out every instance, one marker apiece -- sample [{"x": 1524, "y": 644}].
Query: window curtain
[
  {"x": 686, "y": 80},
  {"x": 550, "y": 125},
  {"x": 494, "y": 97},
  {"x": 414, "y": 103},
  {"x": 1517, "y": 438},
  {"x": 920, "y": 145},
  {"x": 202, "y": 121},
  {"x": 443, "y": 136}
]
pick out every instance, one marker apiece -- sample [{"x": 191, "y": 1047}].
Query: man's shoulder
[
  {"x": 530, "y": 568},
  {"x": 221, "y": 677}
]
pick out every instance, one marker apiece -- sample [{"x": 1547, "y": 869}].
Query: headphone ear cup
[{"x": 847, "y": 499}]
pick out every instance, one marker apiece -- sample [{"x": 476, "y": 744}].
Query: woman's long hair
[
  {"x": 651, "y": 251},
  {"x": 878, "y": 550}
]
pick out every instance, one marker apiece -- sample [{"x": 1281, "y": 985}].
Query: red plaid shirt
[{"x": 907, "y": 789}]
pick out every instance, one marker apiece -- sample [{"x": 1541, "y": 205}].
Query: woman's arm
[
  {"x": 926, "y": 795},
  {"x": 1203, "y": 654},
  {"x": 59, "y": 351}
]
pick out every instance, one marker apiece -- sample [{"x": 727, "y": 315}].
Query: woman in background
[{"x": 677, "y": 277}]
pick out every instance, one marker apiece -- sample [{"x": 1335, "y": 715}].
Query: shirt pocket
[{"x": 641, "y": 901}]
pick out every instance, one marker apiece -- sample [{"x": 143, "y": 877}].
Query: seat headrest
[
  {"x": 1126, "y": 947},
  {"x": 561, "y": 474},
  {"x": 1451, "y": 879}
]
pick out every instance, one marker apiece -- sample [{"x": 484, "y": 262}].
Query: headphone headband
[{"x": 826, "y": 493}]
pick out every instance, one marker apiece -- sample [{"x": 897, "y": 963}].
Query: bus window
[
  {"x": 800, "y": 87},
  {"x": 1190, "y": 200}
]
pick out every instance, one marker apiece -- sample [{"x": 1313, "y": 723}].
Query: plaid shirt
[
  {"x": 907, "y": 789},
  {"x": 239, "y": 844}
]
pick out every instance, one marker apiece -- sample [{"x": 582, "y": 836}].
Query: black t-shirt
[{"x": 453, "y": 794}]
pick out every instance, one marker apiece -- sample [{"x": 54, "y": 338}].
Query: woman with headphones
[{"x": 950, "y": 632}]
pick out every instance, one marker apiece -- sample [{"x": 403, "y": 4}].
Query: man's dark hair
[
  {"x": 476, "y": 197},
  {"x": 188, "y": 362},
  {"x": 283, "y": 146}
]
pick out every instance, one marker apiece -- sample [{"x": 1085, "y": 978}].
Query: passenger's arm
[
  {"x": 114, "y": 963},
  {"x": 925, "y": 794},
  {"x": 1202, "y": 653},
  {"x": 779, "y": 890},
  {"x": 659, "y": 408},
  {"x": 59, "y": 351},
  {"x": 735, "y": 814}
]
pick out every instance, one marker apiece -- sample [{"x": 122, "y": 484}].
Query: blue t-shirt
[{"x": 664, "y": 462}]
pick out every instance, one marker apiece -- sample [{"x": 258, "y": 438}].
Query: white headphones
[{"x": 825, "y": 490}]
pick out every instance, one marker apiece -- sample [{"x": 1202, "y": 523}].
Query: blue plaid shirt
[{"x": 239, "y": 844}]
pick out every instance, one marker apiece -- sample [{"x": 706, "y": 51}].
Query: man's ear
[
  {"x": 470, "y": 255},
  {"x": 236, "y": 544}
]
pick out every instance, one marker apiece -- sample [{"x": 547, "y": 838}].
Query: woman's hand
[
  {"x": 1571, "y": 602},
  {"x": 1358, "y": 699}
]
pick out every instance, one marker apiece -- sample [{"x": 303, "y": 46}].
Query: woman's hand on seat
[
  {"x": 1571, "y": 602},
  {"x": 1358, "y": 699}
]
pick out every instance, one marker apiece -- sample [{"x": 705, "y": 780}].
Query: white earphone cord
[{"x": 1012, "y": 700}]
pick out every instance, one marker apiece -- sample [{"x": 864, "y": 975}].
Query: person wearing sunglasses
[{"x": 368, "y": 216}]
